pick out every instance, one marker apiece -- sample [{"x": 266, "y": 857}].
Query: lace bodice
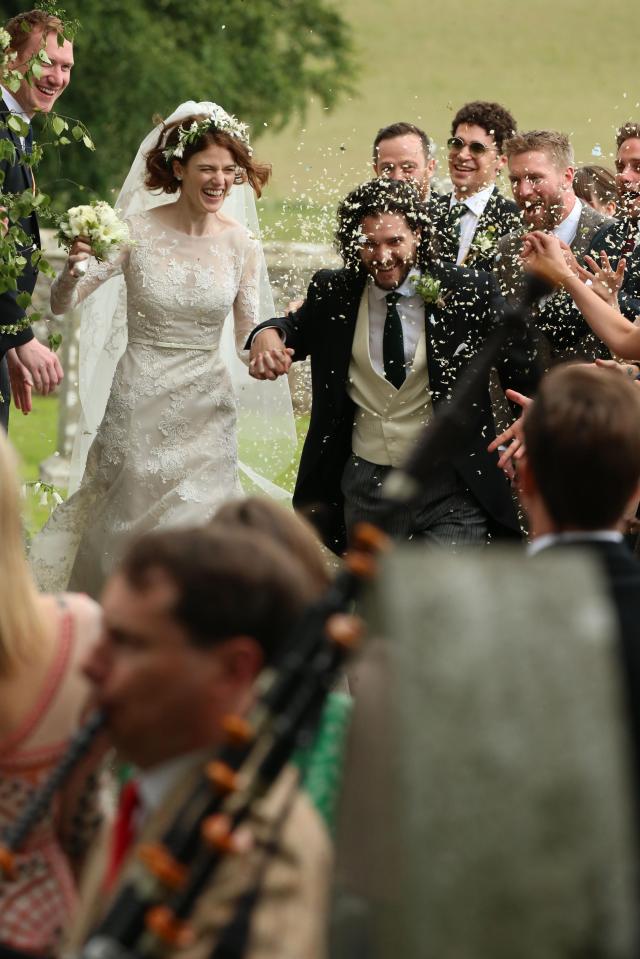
[{"x": 180, "y": 288}]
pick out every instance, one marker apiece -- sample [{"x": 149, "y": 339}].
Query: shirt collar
[
  {"x": 574, "y": 536},
  {"x": 567, "y": 230},
  {"x": 476, "y": 202},
  {"x": 156, "y": 783},
  {"x": 406, "y": 288},
  {"x": 12, "y": 104}
]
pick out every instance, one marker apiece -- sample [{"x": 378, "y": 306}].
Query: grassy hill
[{"x": 563, "y": 64}]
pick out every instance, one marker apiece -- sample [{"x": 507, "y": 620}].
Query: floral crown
[{"x": 217, "y": 119}]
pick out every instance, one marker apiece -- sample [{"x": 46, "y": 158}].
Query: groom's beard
[{"x": 390, "y": 274}]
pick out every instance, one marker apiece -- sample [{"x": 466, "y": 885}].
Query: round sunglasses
[{"x": 475, "y": 147}]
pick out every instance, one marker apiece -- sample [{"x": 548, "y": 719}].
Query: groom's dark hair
[{"x": 371, "y": 199}]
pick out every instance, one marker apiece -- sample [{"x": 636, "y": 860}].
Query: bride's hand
[
  {"x": 79, "y": 252},
  {"x": 269, "y": 357},
  {"x": 544, "y": 256}
]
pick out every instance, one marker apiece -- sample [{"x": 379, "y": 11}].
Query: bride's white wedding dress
[{"x": 165, "y": 453}]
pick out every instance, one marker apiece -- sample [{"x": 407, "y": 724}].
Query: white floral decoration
[{"x": 218, "y": 119}]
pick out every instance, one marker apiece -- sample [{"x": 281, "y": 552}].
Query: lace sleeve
[
  {"x": 246, "y": 306},
  {"x": 68, "y": 291}
]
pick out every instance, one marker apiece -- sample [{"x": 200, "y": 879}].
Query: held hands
[
  {"x": 79, "y": 252},
  {"x": 269, "y": 357},
  {"x": 43, "y": 372},
  {"x": 21, "y": 383}
]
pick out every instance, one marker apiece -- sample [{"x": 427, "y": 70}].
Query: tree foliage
[{"x": 135, "y": 59}]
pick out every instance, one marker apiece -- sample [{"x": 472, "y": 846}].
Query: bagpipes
[{"x": 150, "y": 913}]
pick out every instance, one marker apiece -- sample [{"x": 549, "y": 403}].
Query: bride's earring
[{"x": 178, "y": 177}]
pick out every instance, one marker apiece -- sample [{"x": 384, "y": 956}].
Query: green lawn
[
  {"x": 558, "y": 65},
  {"x": 34, "y": 438}
]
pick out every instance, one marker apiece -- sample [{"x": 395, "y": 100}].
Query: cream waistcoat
[{"x": 387, "y": 421}]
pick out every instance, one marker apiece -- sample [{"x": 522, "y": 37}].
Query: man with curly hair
[
  {"x": 388, "y": 336},
  {"x": 470, "y": 220}
]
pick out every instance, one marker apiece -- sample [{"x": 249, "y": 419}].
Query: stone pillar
[{"x": 488, "y": 803}]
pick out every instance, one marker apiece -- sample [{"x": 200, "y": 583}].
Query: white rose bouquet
[{"x": 101, "y": 226}]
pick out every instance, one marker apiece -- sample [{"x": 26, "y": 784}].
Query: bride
[{"x": 165, "y": 450}]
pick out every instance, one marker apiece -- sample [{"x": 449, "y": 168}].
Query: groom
[
  {"x": 385, "y": 358},
  {"x": 30, "y": 363}
]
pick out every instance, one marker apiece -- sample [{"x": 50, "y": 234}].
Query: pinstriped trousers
[{"x": 447, "y": 514}]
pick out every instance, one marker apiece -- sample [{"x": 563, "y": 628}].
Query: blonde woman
[{"x": 43, "y": 698}]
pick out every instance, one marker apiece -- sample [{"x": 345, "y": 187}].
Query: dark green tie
[{"x": 393, "y": 343}]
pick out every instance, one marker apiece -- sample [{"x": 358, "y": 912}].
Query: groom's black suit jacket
[
  {"x": 323, "y": 328},
  {"x": 17, "y": 177}
]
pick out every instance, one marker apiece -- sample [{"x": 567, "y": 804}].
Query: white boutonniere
[
  {"x": 429, "y": 288},
  {"x": 484, "y": 242}
]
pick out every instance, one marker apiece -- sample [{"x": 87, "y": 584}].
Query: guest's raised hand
[
  {"x": 603, "y": 279},
  {"x": 79, "y": 252},
  {"x": 513, "y": 436},
  {"x": 269, "y": 357},
  {"x": 544, "y": 256}
]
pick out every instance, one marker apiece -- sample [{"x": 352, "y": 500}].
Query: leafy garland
[{"x": 16, "y": 253}]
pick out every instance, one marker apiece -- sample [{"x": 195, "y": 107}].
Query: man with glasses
[
  {"x": 469, "y": 221},
  {"x": 541, "y": 168}
]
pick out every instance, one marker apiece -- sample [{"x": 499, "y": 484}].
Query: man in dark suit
[
  {"x": 30, "y": 363},
  {"x": 469, "y": 221},
  {"x": 622, "y": 238},
  {"x": 541, "y": 168},
  {"x": 387, "y": 341},
  {"x": 579, "y": 478}
]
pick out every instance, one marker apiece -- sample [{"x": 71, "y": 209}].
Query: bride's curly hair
[{"x": 160, "y": 174}]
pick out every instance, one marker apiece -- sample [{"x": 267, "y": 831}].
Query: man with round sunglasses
[{"x": 469, "y": 221}]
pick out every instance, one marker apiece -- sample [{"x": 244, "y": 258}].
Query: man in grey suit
[{"x": 541, "y": 168}]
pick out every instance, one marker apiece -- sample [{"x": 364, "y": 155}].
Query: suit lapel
[
  {"x": 19, "y": 171},
  {"x": 345, "y": 314}
]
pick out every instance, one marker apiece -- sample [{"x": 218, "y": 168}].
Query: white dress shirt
[
  {"x": 566, "y": 231},
  {"x": 156, "y": 783},
  {"x": 469, "y": 221},
  {"x": 576, "y": 536},
  {"x": 410, "y": 308}
]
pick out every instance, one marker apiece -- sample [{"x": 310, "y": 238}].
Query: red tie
[{"x": 124, "y": 831}]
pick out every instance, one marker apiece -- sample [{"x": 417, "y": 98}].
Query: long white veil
[{"x": 266, "y": 428}]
